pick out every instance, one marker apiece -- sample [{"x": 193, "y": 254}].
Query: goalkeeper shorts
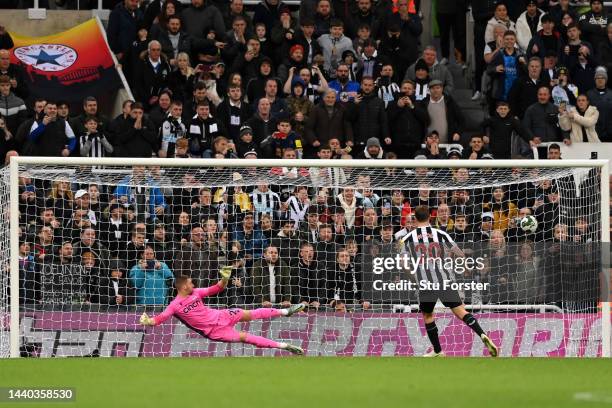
[{"x": 224, "y": 329}]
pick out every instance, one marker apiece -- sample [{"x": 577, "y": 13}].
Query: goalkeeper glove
[
  {"x": 225, "y": 273},
  {"x": 145, "y": 320}
]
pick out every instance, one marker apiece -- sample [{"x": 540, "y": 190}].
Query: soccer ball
[{"x": 529, "y": 223}]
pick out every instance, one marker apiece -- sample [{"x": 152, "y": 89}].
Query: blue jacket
[
  {"x": 151, "y": 286},
  {"x": 156, "y": 197},
  {"x": 252, "y": 245}
]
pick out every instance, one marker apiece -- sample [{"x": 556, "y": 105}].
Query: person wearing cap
[
  {"x": 114, "y": 288},
  {"x": 593, "y": 24},
  {"x": 545, "y": 40},
  {"x": 432, "y": 148},
  {"x": 528, "y": 24},
  {"x": 373, "y": 150},
  {"x": 601, "y": 98},
  {"x": 245, "y": 142},
  {"x": 445, "y": 116},
  {"x": 524, "y": 91},
  {"x": 564, "y": 91},
  {"x": 437, "y": 71},
  {"x": 370, "y": 120}
]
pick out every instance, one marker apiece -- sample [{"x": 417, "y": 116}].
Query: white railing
[{"x": 540, "y": 308}]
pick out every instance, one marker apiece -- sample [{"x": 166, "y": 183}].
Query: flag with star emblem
[{"x": 70, "y": 65}]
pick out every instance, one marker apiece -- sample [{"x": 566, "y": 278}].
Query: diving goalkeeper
[{"x": 218, "y": 325}]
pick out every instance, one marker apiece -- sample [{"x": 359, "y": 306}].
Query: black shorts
[{"x": 429, "y": 298}]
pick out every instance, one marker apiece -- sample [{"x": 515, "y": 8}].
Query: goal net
[{"x": 96, "y": 243}]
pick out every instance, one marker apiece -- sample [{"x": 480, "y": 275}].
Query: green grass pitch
[{"x": 310, "y": 382}]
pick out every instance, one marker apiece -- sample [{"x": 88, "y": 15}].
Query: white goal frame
[{"x": 15, "y": 162}]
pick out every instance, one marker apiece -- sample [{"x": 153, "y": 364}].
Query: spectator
[
  {"x": 499, "y": 131},
  {"x": 299, "y": 105},
  {"x": 323, "y": 18},
  {"x": 24, "y": 128},
  {"x": 593, "y": 23},
  {"x": 559, "y": 10},
  {"x": 445, "y": 117},
  {"x": 580, "y": 123},
  {"x": 363, "y": 15},
  {"x": 503, "y": 210},
  {"x": 174, "y": 41},
  {"x": 13, "y": 111},
  {"x": 370, "y": 116},
  {"x": 334, "y": 44},
  {"x": 407, "y": 122},
  {"x": 204, "y": 22},
  {"x": 541, "y": 119},
  {"x": 344, "y": 284},
  {"x": 451, "y": 17},
  {"x": 203, "y": 129},
  {"x": 152, "y": 279},
  {"x": 51, "y": 136},
  {"x": 482, "y": 11},
  {"x": 123, "y": 25},
  {"x": 346, "y": 90},
  {"x": 268, "y": 12},
  {"x": 182, "y": 80},
  {"x": 89, "y": 243},
  {"x": 387, "y": 88},
  {"x": 136, "y": 134},
  {"x": 563, "y": 91},
  {"x": 601, "y": 98},
  {"x": 172, "y": 129},
  {"x": 545, "y": 40},
  {"x": 138, "y": 190},
  {"x": 6, "y": 42},
  {"x": 233, "y": 113},
  {"x": 604, "y": 50},
  {"x": 370, "y": 63},
  {"x": 505, "y": 68},
  {"x": 528, "y": 24},
  {"x": 310, "y": 277},
  {"x": 263, "y": 124},
  {"x": 154, "y": 70},
  {"x": 272, "y": 280},
  {"x": 157, "y": 14},
  {"x": 114, "y": 289},
  {"x": 197, "y": 258},
  {"x": 524, "y": 91},
  {"x": 575, "y": 47},
  {"x": 499, "y": 18},
  {"x": 201, "y": 93},
  {"x": 251, "y": 239},
  {"x": 308, "y": 229},
  {"x": 236, "y": 9},
  {"x": 287, "y": 241},
  {"x": 248, "y": 64},
  {"x": 437, "y": 71},
  {"x": 477, "y": 149},
  {"x": 90, "y": 109},
  {"x": 372, "y": 150},
  {"x": 93, "y": 143}
]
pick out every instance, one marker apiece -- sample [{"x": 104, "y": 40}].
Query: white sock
[{"x": 284, "y": 312}]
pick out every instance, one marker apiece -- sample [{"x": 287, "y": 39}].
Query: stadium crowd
[{"x": 344, "y": 80}]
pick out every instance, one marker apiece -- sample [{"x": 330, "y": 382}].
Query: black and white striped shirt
[
  {"x": 434, "y": 246},
  {"x": 97, "y": 146},
  {"x": 265, "y": 203}
]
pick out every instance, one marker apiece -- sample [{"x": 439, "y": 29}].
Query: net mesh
[
  {"x": 100, "y": 245},
  {"x": 4, "y": 261}
]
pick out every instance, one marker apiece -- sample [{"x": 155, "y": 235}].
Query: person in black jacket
[
  {"x": 403, "y": 30},
  {"x": 499, "y": 129},
  {"x": 593, "y": 24},
  {"x": 123, "y": 24},
  {"x": 370, "y": 117},
  {"x": 136, "y": 136},
  {"x": 153, "y": 71},
  {"x": 115, "y": 288},
  {"x": 524, "y": 92},
  {"x": 233, "y": 112},
  {"x": 407, "y": 121},
  {"x": 52, "y": 136},
  {"x": 15, "y": 73},
  {"x": 482, "y": 11},
  {"x": 6, "y": 42}
]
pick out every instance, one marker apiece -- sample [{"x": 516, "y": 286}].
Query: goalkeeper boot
[
  {"x": 293, "y": 309},
  {"x": 294, "y": 349},
  {"x": 490, "y": 345},
  {"x": 434, "y": 354}
]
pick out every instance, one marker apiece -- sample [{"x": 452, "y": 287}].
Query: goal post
[{"x": 390, "y": 324}]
